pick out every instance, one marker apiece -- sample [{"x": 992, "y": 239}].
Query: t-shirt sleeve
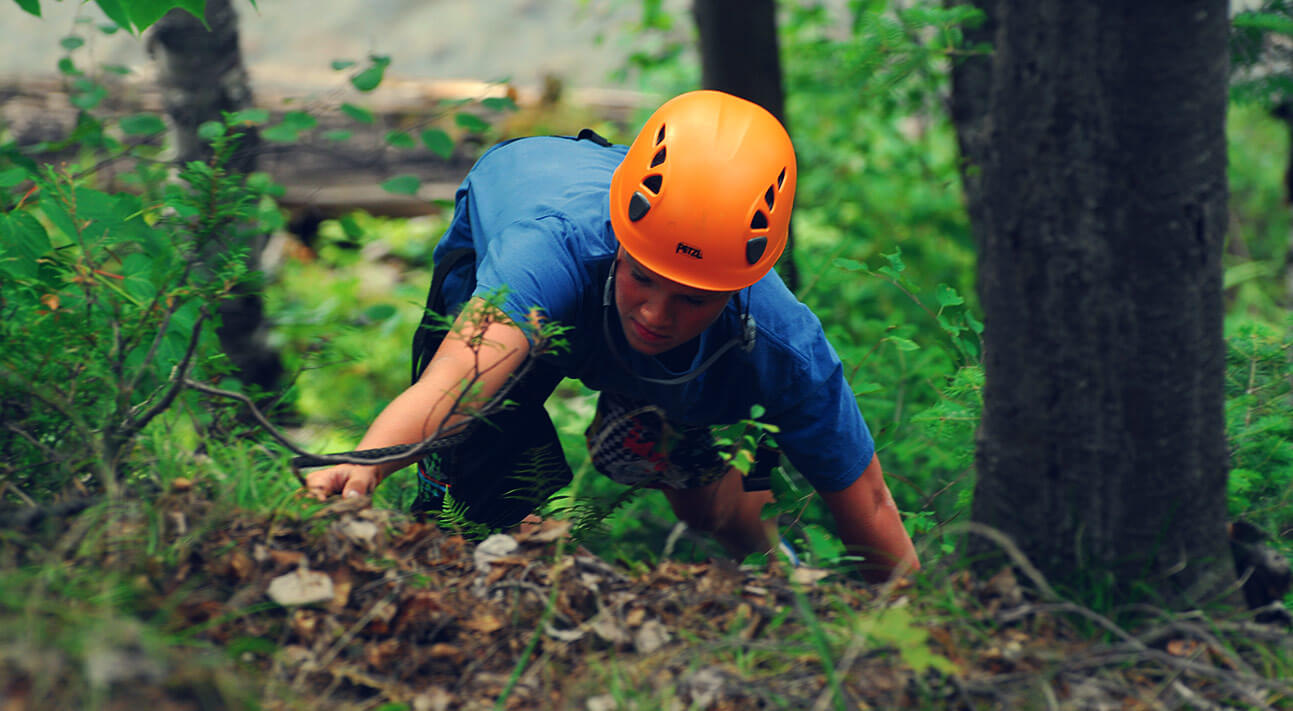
[
  {"x": 530, "y": 264},
  {"x": 822, "y": 432}
]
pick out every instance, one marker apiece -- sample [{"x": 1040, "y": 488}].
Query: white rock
[
  {"x": 499, "y": 545},
  {"x": 301, "y": 587}
]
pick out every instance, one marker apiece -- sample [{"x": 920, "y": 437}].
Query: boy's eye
[
  {"x": 640, "y": 278},
  {"x": 693, "y": 301}
]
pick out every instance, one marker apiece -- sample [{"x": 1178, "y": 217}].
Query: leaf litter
[{"x": 357, "y": 608}]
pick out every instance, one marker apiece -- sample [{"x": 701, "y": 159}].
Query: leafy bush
[{"x": 107, "y": 306}]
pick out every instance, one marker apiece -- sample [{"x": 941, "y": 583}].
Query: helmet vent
[
  {"x": 759, "y": 221},
  {"x": 781, "y": 179},
  {"x": 770, "y": 197},
  {"x": 659, "y": 136},
  {"x": 639, "y": 205},
  {"x": 754, "y": 248},
  {"x": 659, "y": 157},
  {"x": 653, "y": 183}
]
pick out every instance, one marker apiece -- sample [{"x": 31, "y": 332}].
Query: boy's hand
[{"x": 345, "y": 479}]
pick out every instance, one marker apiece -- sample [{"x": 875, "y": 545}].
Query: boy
[{"x": 659, "y": 259}]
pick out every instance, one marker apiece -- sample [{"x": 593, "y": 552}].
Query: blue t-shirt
[{"x": 535, "y": 210}]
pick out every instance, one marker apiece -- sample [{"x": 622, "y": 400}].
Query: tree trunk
[
  {"x": 740, "y": 55},
  {"x": 201, "y": 75},
  {"x": 1102, "y": 448},
  {"x": 968, "y": 105}
]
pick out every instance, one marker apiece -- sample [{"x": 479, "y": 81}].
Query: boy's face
[{"x": 659, "y": 314}]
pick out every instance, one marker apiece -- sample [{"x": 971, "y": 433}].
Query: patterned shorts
[{"x": 635, "y": 445}]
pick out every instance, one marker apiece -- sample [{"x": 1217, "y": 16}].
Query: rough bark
[
  {"x": 968, "y": 104},
  {"x": 201, "y": 75},
  {"x": 740, "y": 55},
  {"x": 1103, "y": 209}
]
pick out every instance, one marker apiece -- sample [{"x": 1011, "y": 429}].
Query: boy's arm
[
  {"x": 489, "y": 355},
  {"x": 868, "y": 523}
]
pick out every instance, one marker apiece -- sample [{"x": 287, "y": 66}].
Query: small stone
[
  {"x": 496, "y": 547},
  {"x": 300, "y": 587}
]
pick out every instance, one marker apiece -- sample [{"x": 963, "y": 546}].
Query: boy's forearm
[
  {"x": 868, "y": 522},
  {"x": 467, "y": 359}
]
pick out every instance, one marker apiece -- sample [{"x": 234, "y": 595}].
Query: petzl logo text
[{"x": 688, "y": 250}]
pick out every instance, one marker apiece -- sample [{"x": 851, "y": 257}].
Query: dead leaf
[
  {"x": 177, "y": 523},
  {"x": 341, "y": 585},
  {"x": 441, "y": 650},
  {"x": 380, "y": 616},
  {"x": 804, "y": 575},
  {"x": 239, "y": 565},
  {"x": 300, "y": 587},
  {"x": 605, "y": 625},
  {"x": 305, "y": 624},
  {"x": 483, "y": 622},
  {"x": 497, "y": 546},
  {"x": 380, "y": 654},
  {"x": 635, "y": 617},
  {"x": 651, "y": 636},
  {"x": 1183, "y": 647},
  {"x": 548, "y": 531},
  {"x": 359, "y": 531},
  {"x": 284, "y": 559},
  {"x": 433, "y": 699}
]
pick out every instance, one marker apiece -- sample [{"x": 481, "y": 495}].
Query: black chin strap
[{"x": 746, "y": 341}]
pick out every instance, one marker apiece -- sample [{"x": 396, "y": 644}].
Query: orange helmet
[{"x": 704, "y": 195}]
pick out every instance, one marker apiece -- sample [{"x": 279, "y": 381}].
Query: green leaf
[
  {"x": 210, "y": 130},
  {"x": 280, "y": 134},
  {"x": 252, "y": 116},
  {"x": 31, "y": 6},
  {"x": 866, "y": 389},
  {"x": 299, "y": 120},
  {"x": 88, "y": 96},
  {"x": 499, "y": 103},
  {"x": 903, "y": 344},
  {"x": 370, "y": 78},
  {"x": 379, "y": 312},
  {"x": 118, "y": 69},
  {"x": 975, "y": 324},
  {"x": 10, "y": 177},
  {"x": 438, "y": 142},
  {"x": 399, "y": 139},
  {"x": 71, "y": 43},
  {"x": 1268, "y": 21},
  {"x": 350, "y": 227},
  {"x": 337, "y": 135},
  {"x": 947, "y": 296},
  {"x": 143, "y": 13},
  {"x": 142, "y": 125},
  {"x": 851, "y": 265},
  {"x": 403, "y": 185},
  {"x": 357, "y": 113},
  {"x": 895, "y": 259},
  {"x": 264, "y": 183},
  {"x": 339, "y": 64},
  {"x": 22, "y": 242},
  {"x": 67, "y": 67},
  {"x": 471, "y": 122},
  {"x": 115, "y": 12}
]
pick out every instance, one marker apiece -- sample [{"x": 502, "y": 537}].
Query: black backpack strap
[
  {"x": 588, "y": 134},
  {"x": 427, "y": 338}
]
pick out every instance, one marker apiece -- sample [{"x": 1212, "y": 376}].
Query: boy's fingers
[
  {"x": 357, "y": 485},
  {"x": 324, "y": 483}
]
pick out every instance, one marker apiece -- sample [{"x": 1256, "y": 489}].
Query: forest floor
[{"x": 183, "y": 604}]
